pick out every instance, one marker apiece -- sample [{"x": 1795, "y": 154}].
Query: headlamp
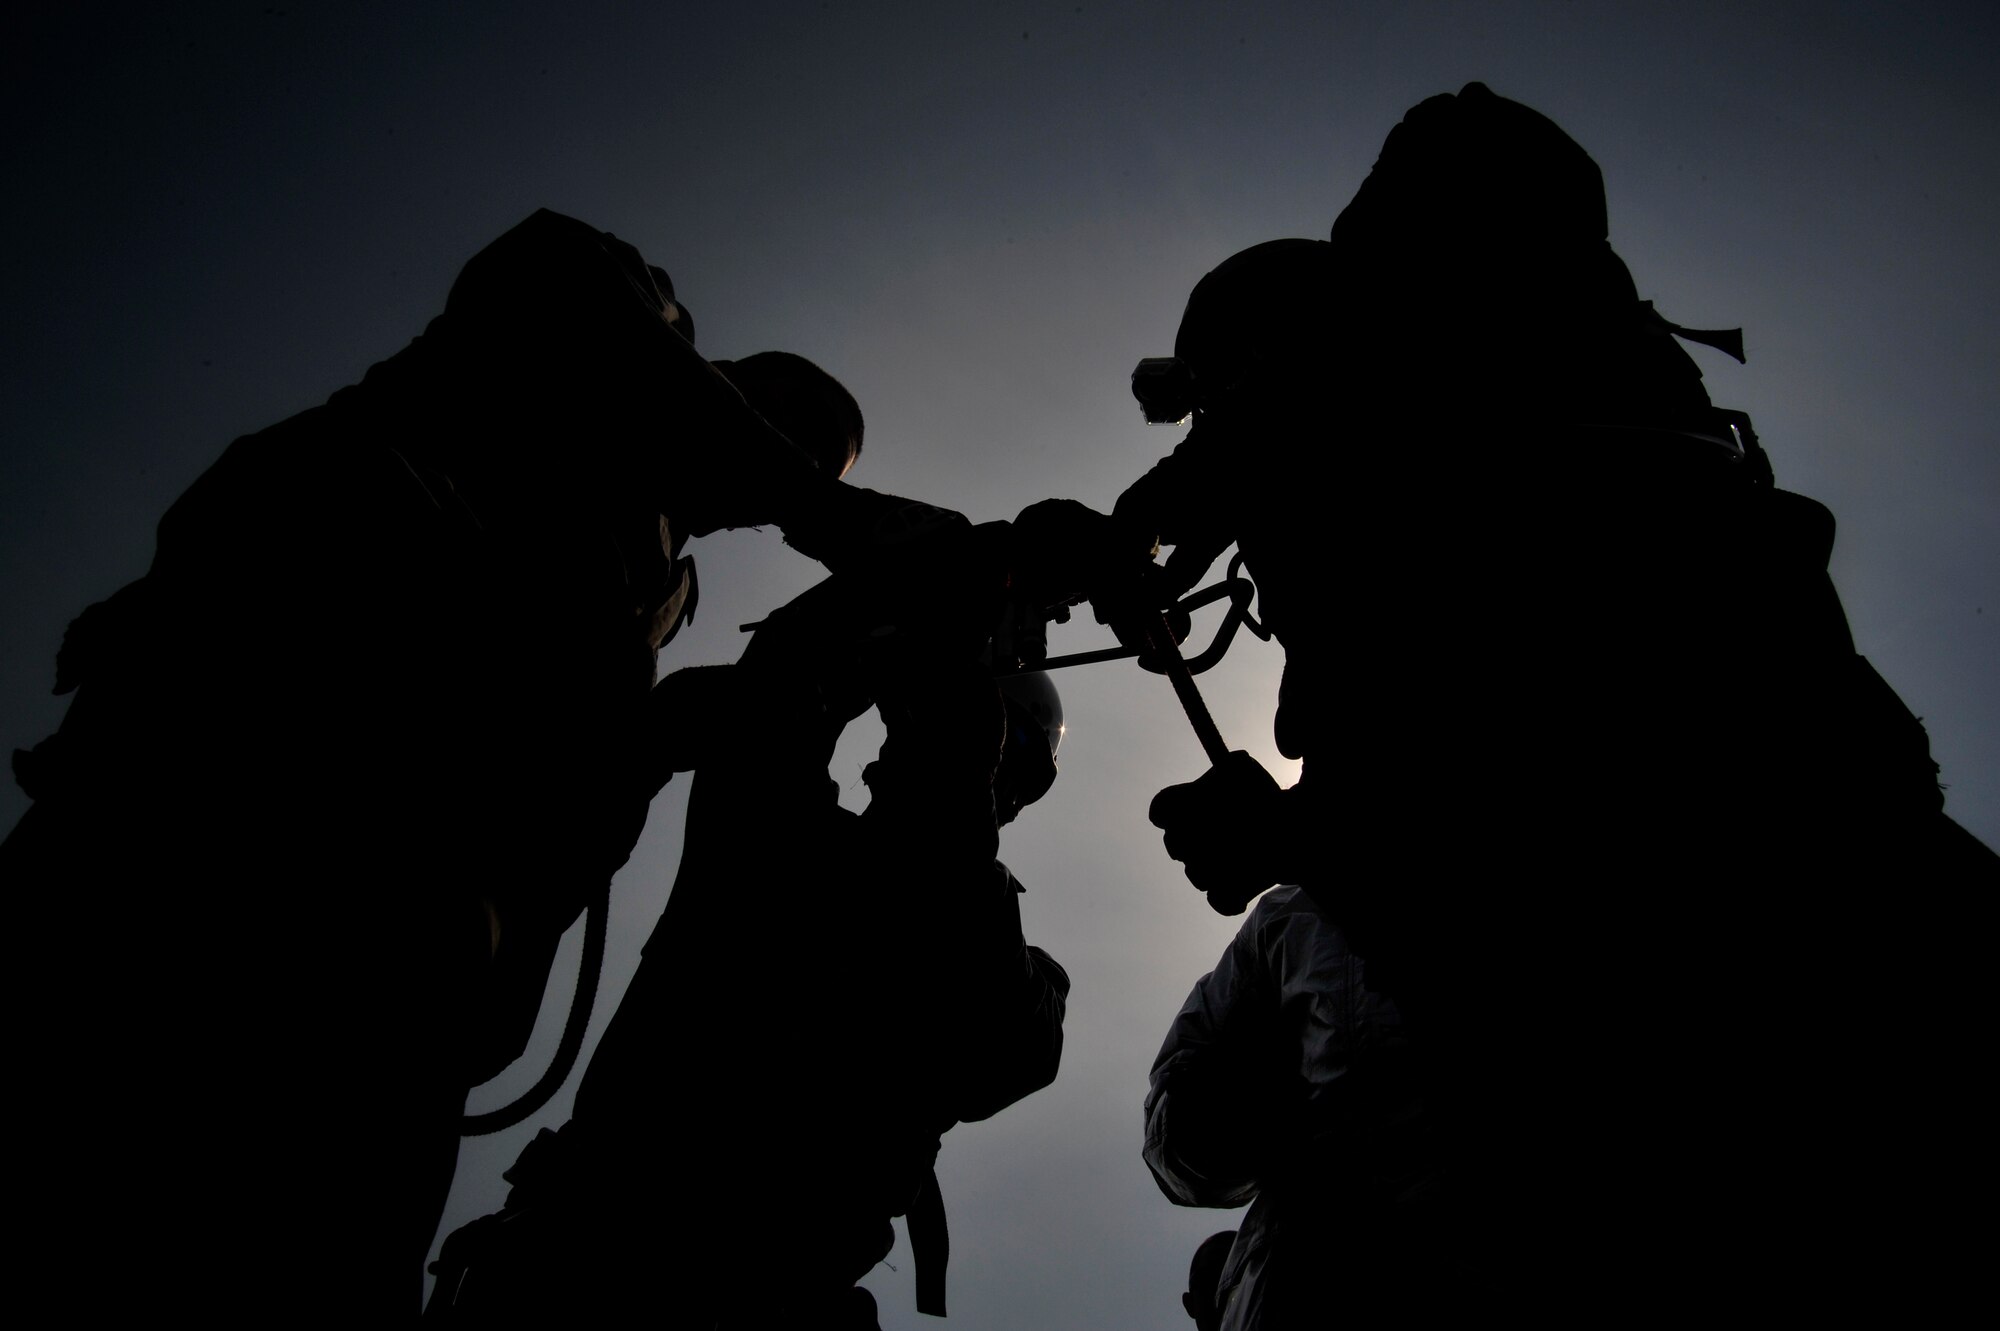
[{"x": 1164, "y": 386}]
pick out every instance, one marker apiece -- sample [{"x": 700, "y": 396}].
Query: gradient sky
[{"x": 979, "y": 216}]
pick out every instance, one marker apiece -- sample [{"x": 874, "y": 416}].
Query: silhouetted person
[
  {"x": 1593, "y": 777},
  {"x": 349, "y": 758},
  {"x": 825, "y": 995},
  {"x": 1202, "y": 1300}
]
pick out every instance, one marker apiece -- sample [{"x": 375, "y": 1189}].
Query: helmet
[
  {"x": 802, "y": 402},
  {"x": 1034, "y": 733},
  {"x": 1267, "y": 304}
]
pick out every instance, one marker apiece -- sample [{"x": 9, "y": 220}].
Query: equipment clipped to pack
[
  {"x": 1736, "y": 426},
  {"x": 1722, "y": 432}
]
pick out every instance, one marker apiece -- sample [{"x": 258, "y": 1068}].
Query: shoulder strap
[{"x": 930, "y": 1244}]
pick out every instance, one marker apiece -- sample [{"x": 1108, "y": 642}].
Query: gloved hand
[
  {"x": 1187, "y": 501},
  {"x": 1064, "y": 551},
  {"x": 1230, "y": 829},
  {"x": 1136, "y": 610}
]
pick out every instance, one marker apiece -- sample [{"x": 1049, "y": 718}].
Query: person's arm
[
  {"x": 1186, "y": 501},
  {"x": 1013, "y": 997},
  {"x": 1236, "y": 832},
  {"x": 1225, "y": 1099},
  {"x": 575, "y": 336},
  {"x": 932, "y": 824}
]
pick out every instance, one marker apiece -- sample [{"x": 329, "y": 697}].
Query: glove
[
  {"x": 1186, "y": 501},
  {"x": 1229, "y": 829},
  {"x": 1065, "y": 551}
]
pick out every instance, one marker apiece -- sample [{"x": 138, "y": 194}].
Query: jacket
[{"x": 1286, "y": 1083}]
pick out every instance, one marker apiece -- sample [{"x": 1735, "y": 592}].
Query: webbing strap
[
  {"x": 930, "y": 1244},
  {"x": 595, "y": 926}
]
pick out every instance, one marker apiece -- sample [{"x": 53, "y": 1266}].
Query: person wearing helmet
[
  {"x": 825, "y": 995},
  {"x": 358, "y": 747},
  {"x": 1034, "y": 737},
  {"x": 1589, "y": 758}
]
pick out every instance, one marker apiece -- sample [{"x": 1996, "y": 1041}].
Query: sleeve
[
  {"x": 1226, "y": 1095},
  {"x": 931, "y": 792},
  {"x": 995, "y": 1004},
  {"x": 1186, "y": 501},
  {"x": 1017, "y": 1010}
]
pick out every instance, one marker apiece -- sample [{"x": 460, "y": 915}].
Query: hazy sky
[{"x": 979, "y": 216}]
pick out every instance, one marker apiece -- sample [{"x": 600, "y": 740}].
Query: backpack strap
[{"x": 930, "y": 1244}]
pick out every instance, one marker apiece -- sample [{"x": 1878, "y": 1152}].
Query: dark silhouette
[
  {"x": 825, "y": 995},
  {"x": 1594, "y": 778},
  {"x": 349, "y": 758},
  {"x": 1202, "y": 1298}
]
